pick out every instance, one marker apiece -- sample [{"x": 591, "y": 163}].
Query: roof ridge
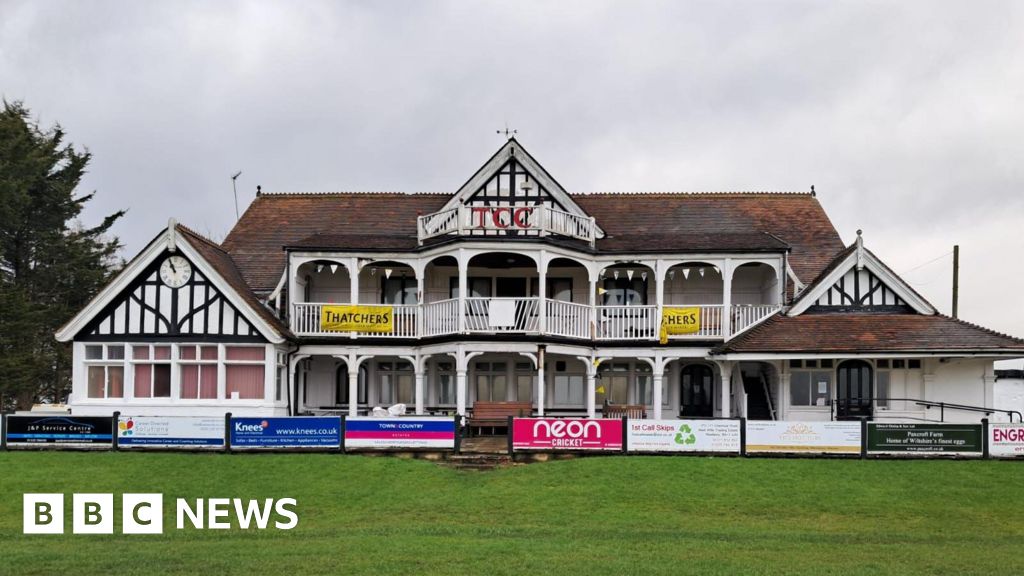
[
  {"x": 354, "y": 193},
  {"x": 695, "y": 193},
  {"x": 202, "y": 238}
]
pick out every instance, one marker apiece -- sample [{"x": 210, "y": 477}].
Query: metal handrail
[{"x": 928, "y": 404}]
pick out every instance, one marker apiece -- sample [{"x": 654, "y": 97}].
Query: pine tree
[{"x": 50, "y": 265}]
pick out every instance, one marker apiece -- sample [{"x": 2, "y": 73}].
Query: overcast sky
[{"x": 907, "y": 117}]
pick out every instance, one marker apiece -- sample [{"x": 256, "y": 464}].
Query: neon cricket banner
[
  {"x": 95, "y": 431},
  {"x": 683, "y": 436},
  {"x": 389, "y": 433},
  {"x": 948, "y": 439},
  {"x": 679, "y": 321},
  {"x": 803, "y": 437},
  {"x": 170, "y": 432},
  {"x": 566, "y": 434},
  {"x": 1006, "y": 440},
  {"x": 357, "y": 318},
  {"x": 296, "y": 432}
]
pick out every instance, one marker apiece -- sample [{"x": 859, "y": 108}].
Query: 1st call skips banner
[{"x": 357, "y": 318}]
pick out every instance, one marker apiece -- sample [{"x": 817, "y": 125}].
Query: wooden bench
[
  {"x": 488, "y": 414},
  {"x": 634, "y": 411}
]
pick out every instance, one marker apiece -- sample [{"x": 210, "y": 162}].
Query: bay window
[
  {"x": 244, "y": 368},
  {"x": 105, "y": 370},
  {"x": 198, "y": 369},
  {"x": 152, "y": 370}
]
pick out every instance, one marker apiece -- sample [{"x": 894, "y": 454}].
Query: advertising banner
[
  {"x": 389, "y": 433},
  {"x": 64, "y": 430},
  {"x": 298, "y": 432},
  {"x": 950, "y": 439},
  {"x": 357, "y": 318},
  {"x": 1006, "y": 440},
  {"x": 683, "y": 436},
  {"x": 170, "y": 432},
  {"x": 568, "y": 434},
  {"x": 803, "y": 437},
  {"x": 679, "y": 321}
]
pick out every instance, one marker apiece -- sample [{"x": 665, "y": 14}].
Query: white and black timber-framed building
[{"x": 512, "y": 288}]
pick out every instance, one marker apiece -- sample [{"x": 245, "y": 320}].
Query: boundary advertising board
[
  {"x": 566, "y": 434},
  {"x": 95, "y": 431},
  {"x": 294, "y": 432},
  {"x": 170, "y": 432},
  {"x": 947, "y": 439},
  {"x": 683, "y": 436},
  {"x": 389, "y": 433},
  {"x": 1006, "y": 440},
  {"x": 767, "y": 436}
]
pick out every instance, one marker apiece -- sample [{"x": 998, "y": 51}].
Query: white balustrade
[
  {"x": 441, "y": 317},
  {"x": 541, "y": 219},
  {"x": 499, "y": 315},
  {"x": 568, "y": 319},
  {"x": 746, "y": 316},
  {"x": 627, "y": 322}
]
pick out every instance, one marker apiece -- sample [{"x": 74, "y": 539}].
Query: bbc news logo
[{"x": 144, "y": 513}]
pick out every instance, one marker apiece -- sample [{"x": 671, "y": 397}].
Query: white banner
[
  {"x": 170, "y": 432},
  {"x": 1006, "y": 440},
  {"x": 803, "y": 437},
  {"x": 683, "y": 436}
]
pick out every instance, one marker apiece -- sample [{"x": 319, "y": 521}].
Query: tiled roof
[
  {"x": 222, "y": 262},
  {"x": 655, "y": 222},
  {"x": 863, "y": 332}
]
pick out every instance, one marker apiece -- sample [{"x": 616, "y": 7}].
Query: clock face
[{"x": 175, "y": 271}]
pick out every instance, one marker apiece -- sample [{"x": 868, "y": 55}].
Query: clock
[{"x": 175, "y": 271}]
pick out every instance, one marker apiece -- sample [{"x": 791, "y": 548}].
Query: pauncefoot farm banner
[
  {"x": 170, "y": 431},
  {"x": 390, "y": 433},
  {"x": 95, "y": 431},
  {"x": 949, "y": 439},
  {"x": 803, "y": 437},
  {"x": 566, "y": 434},
  {"x": 683, "y": 436},
  {"x": 297, "y": 432},
  {"x": 1006, "y": 440}
]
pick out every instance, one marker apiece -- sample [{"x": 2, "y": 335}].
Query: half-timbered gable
[
  {"x": 150, "y": 309},
  {"x": 857, "y": 281}
]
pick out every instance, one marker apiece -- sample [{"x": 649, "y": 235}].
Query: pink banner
[{"x": 566, "y": 434}]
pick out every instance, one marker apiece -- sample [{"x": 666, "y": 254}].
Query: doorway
[
  {"x": 853, "y": 398},
  {"x": 697, "y": 391}
]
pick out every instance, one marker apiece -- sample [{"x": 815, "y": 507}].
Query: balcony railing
[
  {"x": 538, "y": 220},
  {"x": 523, "y": 316}
]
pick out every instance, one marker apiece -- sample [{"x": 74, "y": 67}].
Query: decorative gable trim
[
  {"x": 167, "y": 241},
  {"x": 861, "y": 279},
  {"x": 513, "y": 151}
]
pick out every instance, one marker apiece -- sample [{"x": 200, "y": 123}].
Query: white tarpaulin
[{"x": 803, "y": 437}]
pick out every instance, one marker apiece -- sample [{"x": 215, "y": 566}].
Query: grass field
[{"x": 608, "y": 515}]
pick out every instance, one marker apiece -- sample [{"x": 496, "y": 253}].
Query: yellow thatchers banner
[
  {"x": 356, "y": 318},
  {"x": 679, "y": 321}
]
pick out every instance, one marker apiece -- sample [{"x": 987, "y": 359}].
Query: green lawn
[{"x": 604, "y": 515}]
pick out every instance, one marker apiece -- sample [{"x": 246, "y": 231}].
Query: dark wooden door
[
  {"x": 853, "y": 397},
  {"x": 697, "y": 394}
]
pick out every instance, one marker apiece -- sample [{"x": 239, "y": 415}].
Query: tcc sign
[{"x": 502, "y": 217}]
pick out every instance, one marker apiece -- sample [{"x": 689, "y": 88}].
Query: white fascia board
[{"x": 893, "y": 282}]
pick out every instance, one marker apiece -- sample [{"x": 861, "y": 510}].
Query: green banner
[{"x": 925, "y": 438}]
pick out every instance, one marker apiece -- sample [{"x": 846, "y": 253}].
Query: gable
[
  {"x": 858, "y": 281},
  {"x": 213, "y": 303},
  {"x": 148, "y": 309},
  {"x": 857, "y": 289},
  {"x": 511, "y": 178}
]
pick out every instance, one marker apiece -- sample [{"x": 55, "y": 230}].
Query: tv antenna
[
  {"x": 508, "y": 133},
  {"x": 235, "y": 190}
]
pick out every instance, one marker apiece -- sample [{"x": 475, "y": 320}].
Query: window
[
  {"x": 882, "y": 388},
  {"x": 526, "y": 377},
  {"x": 625, "y": 292},
  {"x": 613, "y": 384},
  {"x": 105, "y": 370},
  {"x": 914, "y": 364},
  {"x": 282, "y": 377},
  {"x": 491, "y": 380},
  {"x": 810, "y": 388},
  {"x": 557, "y": 288},
  {"x": 244, "y": 368},
  {"x": 478, "y": 287},
  {"x": 569, "y": 389},
  {"x": 396, "y": 383},
  {"x": 198, "y": 365},
  {"x": 152, "y": 371},
  {"x": 645, "y": 385},
  {"x": 398, "y": 290},
  {"x": 445, "y": 384}
]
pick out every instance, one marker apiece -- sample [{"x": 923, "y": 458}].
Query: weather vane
[{"x": 508, "y": 133}]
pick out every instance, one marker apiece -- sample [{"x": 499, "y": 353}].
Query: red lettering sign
[{"x": 501, "y": 217}]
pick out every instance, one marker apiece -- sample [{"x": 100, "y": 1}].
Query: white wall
[{"x": 1009, "y": 395}]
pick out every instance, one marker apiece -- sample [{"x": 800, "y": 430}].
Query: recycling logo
[{"x": 685, "y": 435}]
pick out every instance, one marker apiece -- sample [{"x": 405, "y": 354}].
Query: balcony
[
  {"x": 539, "y": 220},
  {"x": 541, "y": 318}
]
